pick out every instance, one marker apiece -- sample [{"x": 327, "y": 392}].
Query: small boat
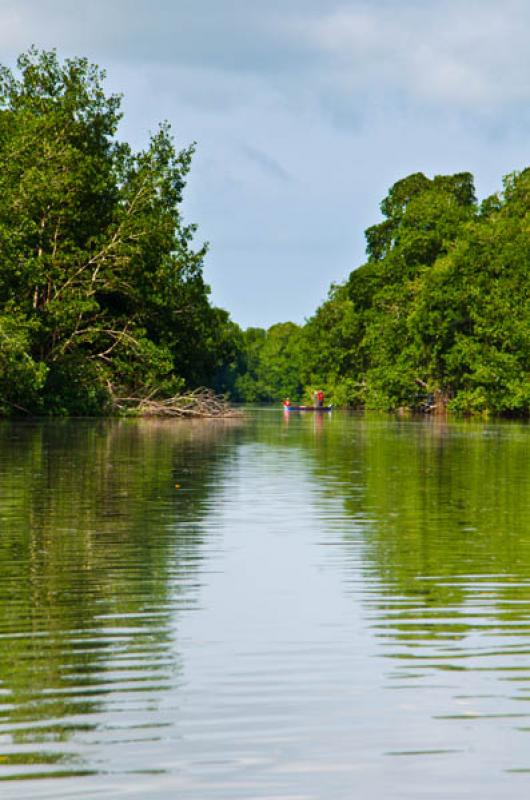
[{"x": 307, "y": 408}]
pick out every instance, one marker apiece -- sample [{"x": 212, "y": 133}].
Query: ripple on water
[{"x": 326, "y": 609}]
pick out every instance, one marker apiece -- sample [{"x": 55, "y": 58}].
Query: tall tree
[
  {"x": 371, "y": 351},
  {"x": 100, "y": 285}
]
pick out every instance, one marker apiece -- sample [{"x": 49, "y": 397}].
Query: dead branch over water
[{"x": 198, "y": 403}]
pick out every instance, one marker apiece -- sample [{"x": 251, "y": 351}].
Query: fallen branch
[{"x": 196, "y": 403}]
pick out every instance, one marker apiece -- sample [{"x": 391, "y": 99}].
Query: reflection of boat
[{"x": 307, "y": 408}]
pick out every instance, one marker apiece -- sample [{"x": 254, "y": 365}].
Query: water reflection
[
  {"x": 329, "y": 606},
  {"x": 97, "y": 550},
  {"x": 442, "y": 533},
  {"x": 445, "y": 511}
]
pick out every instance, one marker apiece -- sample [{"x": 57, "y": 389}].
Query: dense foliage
[
  {"x": 440, "y": 313},
  {"x": 101, "y": 290},
  {"x": 439, "y": 316},
  {"x": 270, "y": 364}
]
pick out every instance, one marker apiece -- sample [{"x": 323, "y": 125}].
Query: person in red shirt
[{"x": 320, "y": 398}]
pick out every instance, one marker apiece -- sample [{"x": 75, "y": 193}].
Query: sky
[{"x": 304, "y": 112}]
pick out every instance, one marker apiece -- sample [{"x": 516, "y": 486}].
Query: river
[{"x": 281, "y": 608}]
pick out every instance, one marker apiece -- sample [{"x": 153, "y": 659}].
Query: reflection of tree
[
  {"x": 444, "y": 503},
  {"x": 439, "y": 509},
  {"x": 96, "y": 546}
]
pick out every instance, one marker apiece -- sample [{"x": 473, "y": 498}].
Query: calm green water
[{"x": 327, "y": 608}]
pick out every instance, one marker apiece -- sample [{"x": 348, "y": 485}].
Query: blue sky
[{"x": 304, "y": 114}]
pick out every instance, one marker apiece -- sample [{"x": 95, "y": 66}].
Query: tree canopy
[
  {"x": 271, "y": 364},
  {"x": 102, "y": 292},
  {"x": 438, "y": 316},
  {"x": 441, "y": 309},
  {"x": 101, "y": 286}
]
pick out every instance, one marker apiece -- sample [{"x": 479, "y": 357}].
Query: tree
[
  {"x": 98, "y": 275},
  {"x": 361, "y": 341},
  {"x": 471, "y": 314},
  {"x": 272, "y": 364}
]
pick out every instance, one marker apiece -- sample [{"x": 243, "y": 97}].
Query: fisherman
[
  {"x": 286, "y": 403},
  {"x": 320, "y": 398}
]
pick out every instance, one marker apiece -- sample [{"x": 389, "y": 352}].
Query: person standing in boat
[{"x": 320, "y": 398}]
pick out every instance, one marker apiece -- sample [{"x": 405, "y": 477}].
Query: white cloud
[
  {"x": 468, "y": 54},
  {"x": 462, "y": 54}
]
